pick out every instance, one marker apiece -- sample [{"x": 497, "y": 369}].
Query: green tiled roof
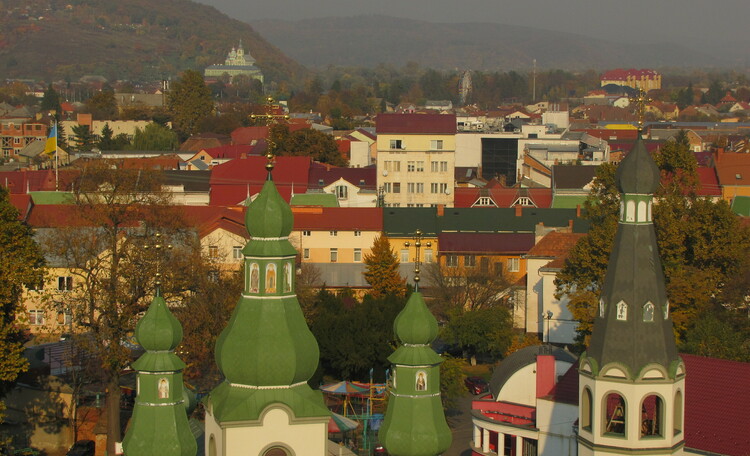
[
  {"x": 315, "y": 199},
  {"x": 42, "y": 198},
  {"x": 741, "y": 205},
  {"x": 404, "y": 221},
  {"x": 568, "y": 201}
]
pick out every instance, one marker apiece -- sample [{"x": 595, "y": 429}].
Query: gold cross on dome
[
  {"x": 417, "y": 262},
  {"x": 640, "y": 101},
  {"x": 270, "y": 119},
  {"x": 157, "y": 244}
]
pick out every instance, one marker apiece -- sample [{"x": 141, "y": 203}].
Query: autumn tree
[
  {"x": 21, "y": 265},
  {"x": 382, "y": 269},
  {"x": 102, "y": 105},
  {"x": 483, "y": 332},
  {"x": 115, "y": 212},
  {"x": 701, "y": 243},
  {"x": 456, "y": 290},
  {"x": 189, "y": 101},
  {"x": 154, "y": 137}
]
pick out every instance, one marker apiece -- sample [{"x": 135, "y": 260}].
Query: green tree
[
  {"x": 51, "y": 101},
  {"x": 83, "y": 137},
  {"x": 459, "y": 289},
  {"x": 102, "y": 105},
  {"x": 482, "y": 332},
  {"x": 189, "y": 101},
  {"x": 154, "y": 137},
  {"x": 719, "y": 333},
  {"x": 307, "y": 142},
  {"x": 452, "y": 381},
  {"x": 381, "y": 269},
  {"x": 715, "y": 92},
  {"x": 21, "y": 265}
]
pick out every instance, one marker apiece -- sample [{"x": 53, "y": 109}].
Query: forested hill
[
  {"x": 370, "y": 40},
  {"x": 125, "y": 39}
]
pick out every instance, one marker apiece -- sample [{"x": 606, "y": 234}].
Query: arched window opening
[
  {"x": 642, "y": 217},
  {"x": 276, "y": 451},
  {"x": 212, "y": 446},
  {"x": 614, "y": 414},
  {"x": 677, "y": 420},
  {"x": 586, "y": 411},
  {"x": 652, "y": 416},
  {"x": 630, "y": 211}
]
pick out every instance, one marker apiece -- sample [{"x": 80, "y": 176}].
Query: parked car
[
  {"x": 476, "y": 385},
  {"x": 82, "y": 448}
]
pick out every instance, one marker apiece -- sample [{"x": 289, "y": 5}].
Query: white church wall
[
  {"x": 555, "y": 423},
  {"x": 300, "y": 439}
]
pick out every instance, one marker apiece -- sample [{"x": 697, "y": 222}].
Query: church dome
[
  {"x": 269, "y": 216},
  {"x": 637, "y": 173},
  {"x": 415, "y": 324},
  {"x": 158, "y": 330}
]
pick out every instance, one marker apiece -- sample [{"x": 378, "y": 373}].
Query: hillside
[
  {"x": 125, "y": 39},
  {"x": 370, "y": 40}
]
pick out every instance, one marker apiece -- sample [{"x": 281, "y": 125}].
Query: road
[{"x": 459, "y": 420}]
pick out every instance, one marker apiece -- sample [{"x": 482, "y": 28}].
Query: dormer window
[
  {"x": 622, "y": 311},
  {"x": 648, "y": 311},
  {"x": 601, "y": 307}
]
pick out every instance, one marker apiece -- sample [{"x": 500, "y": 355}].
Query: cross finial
[
  {"x": 640, "y": 101},
  {"x": 417, "y": 262},
  {"x": 157, "y": 245},
  {"x": 269, "y": 118}
]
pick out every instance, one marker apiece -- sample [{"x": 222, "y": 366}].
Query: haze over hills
[
  {"x": 373, "y": 39},
  {"x": 125, "y": 39}
]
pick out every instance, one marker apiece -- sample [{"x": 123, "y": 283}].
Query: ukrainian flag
[{"x": 50, "y": 147}]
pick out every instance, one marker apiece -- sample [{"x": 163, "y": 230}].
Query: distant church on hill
[{"x": 236, "y": 63}]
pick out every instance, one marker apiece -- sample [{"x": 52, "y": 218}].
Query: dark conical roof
[{"x": 637, "y": 173}]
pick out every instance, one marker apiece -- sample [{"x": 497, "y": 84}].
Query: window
[
  {"x": 36, "y": 317},
  {"x": 333, "y": 233},
  {"x": 586, "y": 411},
  {"x": 410, "y": 167},
  {"x": 434, "y": 187},
  {"x": 387, "y": 187},
  {"x": 405, "y": 256},
  {"x": 648, "y": 311},
  {"x": 614, "y": 414},
  {"x": 470, "y": 261},
  {"x": 306, "y": 233},
  {"x": 434, "y": 167},
  {"x": 443, "y": 166},
  {"x": 420, "y": 187},
  {"x": 652, "y": 411},
  {"x": 237, "y": 252},
  {"x": 420, "y": 166},
  {"x": 334, "y": 255},
  {"x": 397, "y": 187},
  {"x": 514, "y": 264},
  {"x": 306, "y": 254},
  {"x": 484, "y": 201},
  {"x": 357, "y": 233},
  {"x": 396, "y": 166},
  {"x": 677, "y": 419},
  {"x": 341, "y": 191},
  {"x": 357, "y": 255},
  {"x": 64, "y": 318},
  {"x": 499, "y": 267},
  {"x": 213, "y": 251},
  {"x": 436, "y": 144},
  {"x": 397, "y": 144},
  {"x": 451, "y": 261},
  {"x": 428, "y": 256},
  {"x": 622, "y": 311},
  {"x": 443, "y": 188},
  {"x": 213, "y": 276},
  {"x": 65, "y": 283},
  {"x": 413, "y": 187},
  {"x": 484, "y": 265}
]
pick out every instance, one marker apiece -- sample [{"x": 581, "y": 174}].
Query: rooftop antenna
[
  {"x": 533, "y": 85},
  {"x": 417, "y": 262}
]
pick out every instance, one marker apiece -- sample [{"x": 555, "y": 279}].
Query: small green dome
[
  {"x": 269, "y": 216},
  {"x": 637, "y": 173},
  {"x": 415, "y": 324},
  {"x": 158, "y": 330}
]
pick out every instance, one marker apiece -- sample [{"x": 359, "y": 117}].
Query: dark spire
[{"x": 632, "y": 328}]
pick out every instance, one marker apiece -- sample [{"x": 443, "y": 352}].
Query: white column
[
  {"x": 485, "y": 441},
  {"x": 519, "y": 445},
  {"x": 500, "y": 444},
  {"x": 477, "y": 436}
]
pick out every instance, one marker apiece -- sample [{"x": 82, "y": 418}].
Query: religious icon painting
[
  {"x": 421, "y": 383},
  {"x": 254, "y": 278},
  {"x": 271, "y": 278}
]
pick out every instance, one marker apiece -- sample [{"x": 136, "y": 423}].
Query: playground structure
[{"x": 361, "y": 402}]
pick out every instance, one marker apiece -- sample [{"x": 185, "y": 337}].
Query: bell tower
[{"x": 631, "y": 379}]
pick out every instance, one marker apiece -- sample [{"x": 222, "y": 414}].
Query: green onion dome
[
  {"x": 158, "y": 330},
  {"x": 415, "y": 324},
  {"x": 269, "y": 216}
]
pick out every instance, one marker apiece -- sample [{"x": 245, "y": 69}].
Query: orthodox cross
[
  {"x": 157, "y": 244},
  {"x": 270, "y": 119},
  {"x": 417, "y": 245},
  {"x": 640, "y": 101}
]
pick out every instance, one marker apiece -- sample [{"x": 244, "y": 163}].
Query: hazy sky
[{"x": 687, "y": 21}]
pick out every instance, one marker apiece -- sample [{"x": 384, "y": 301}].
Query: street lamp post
[{"x": 548, "y": 317}]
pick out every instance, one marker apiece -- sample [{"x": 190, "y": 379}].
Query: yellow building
[
  {"x": 416, "y": 159},
  {"x": 637, "y": 79}
]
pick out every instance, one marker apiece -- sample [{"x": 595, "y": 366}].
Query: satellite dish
[
  {"x": 447, "y": 191},
  {"x": 385, "y": 173}
]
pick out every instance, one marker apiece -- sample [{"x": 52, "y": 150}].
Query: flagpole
[{"x": 57, "y": 177}]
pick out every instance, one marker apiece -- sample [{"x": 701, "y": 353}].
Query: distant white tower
[{"x": 464, "y": 87}]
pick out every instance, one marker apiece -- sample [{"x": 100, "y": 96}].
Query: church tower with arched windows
[
  {"x": 631, "y": 379},
  {"x": 264, "y": 407}
]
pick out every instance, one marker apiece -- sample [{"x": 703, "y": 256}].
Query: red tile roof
[
  {"x": 22, "y": 203},
  {"x": 61, "y": 215},
  {"x": 208, "y": 218},
  {"x": 340, "y": 218},
  {"x": 732, "y": 168},
  {"x": 503, "y": 197},
  {"x": 621, "y": 74},
  {"x": 444, "y": 124},
  {"x": 34, "y": 181},
  {"x": 229, "y": 151},
  {"x": 330, "y": 174},
  {"x": 232, "y": 181},
  {"x": 716, "y": 405},
  {"x": 496, "y": 243},
  {"x": 555, "y": 245},
  {"x": 246, "y": 135},
  {"x": 709, "y": 182}
]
